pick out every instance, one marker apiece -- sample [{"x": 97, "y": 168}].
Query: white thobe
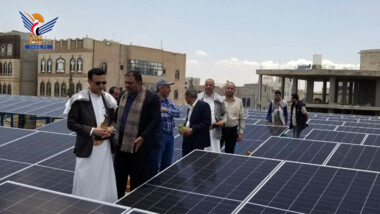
[
  {"x": 94, "y": 176},
  {"x": 214, "y": 142}
]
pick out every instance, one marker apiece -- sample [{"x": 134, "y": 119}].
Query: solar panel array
[{"x": 333, "y": 168}]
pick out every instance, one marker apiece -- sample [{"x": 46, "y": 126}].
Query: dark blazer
[
  {"x": 81, "y": 119},
  {"x": 200, "y": 122},
  {"x": 150, "y": 119}
]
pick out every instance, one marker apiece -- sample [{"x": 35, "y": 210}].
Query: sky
[{"x": 223, "y": 40}]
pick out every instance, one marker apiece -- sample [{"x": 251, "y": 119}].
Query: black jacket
[
  {"x": 200, "y": 122},
  {"x": 300, "y": 118},
  {"x": 81, "y": 119}
]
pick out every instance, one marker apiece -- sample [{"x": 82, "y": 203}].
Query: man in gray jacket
[{"x": 218, "y": 114}]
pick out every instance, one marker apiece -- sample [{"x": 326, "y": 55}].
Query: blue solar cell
[
  {"x": 250, "y": 208},
  {"x": 372, "y": 140},
  {"x": 65, "y": 161},
  {"x": 335, "y": 136},
  {"x": 9, "y": 167},
  {"x": 58, "y": 127},
  {"x": 9, "y": 134},
  {"x": 358, "y": 130},
  {"x": 262, "y": 132}
]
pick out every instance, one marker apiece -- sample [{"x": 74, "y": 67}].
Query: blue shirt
[
  {"x": 167, "y": 118},
  {"x": 128, "y": 106}
]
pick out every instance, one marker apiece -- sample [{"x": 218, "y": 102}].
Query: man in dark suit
[
  {"x": 138, "y": 127},
  {"x": 91, "y": 115},
  {"x": 197, "y": 126}
]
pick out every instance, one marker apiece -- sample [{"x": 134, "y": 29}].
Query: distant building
[
  {"x": 191, "y": 81},
  {"x": 78, "y": 56},
  {"x": 18, "y": 66}
]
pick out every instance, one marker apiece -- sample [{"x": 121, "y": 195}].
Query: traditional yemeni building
[
  {"x": 18, "y": 66},
  {"x": 78, "y": 56}
]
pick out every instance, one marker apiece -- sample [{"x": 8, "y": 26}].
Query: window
[
  {"x": 4, "y": 89},
  {"x": 10, "y": 50},
  {"x": 1, "y": 71},
  {"x": 80, "y": 65},
  {"x": 2, "y": 50},
  {"x": 42, "y": 89},
  {"x": 49, "y": 64},
  {"x": 9, "y": 89},
  {"x": 60, "y": 66},
  {"x": 145, "y": 67},
  {"x": 43, "y": 64},
  {"x": 249, "y": 102},
  {"x": 176, "y": 94},
  {"x": 177, "y": 74},
  {"x": 0, "y": 88},
  {"x": 121, "y": 67},
  {"x": 56, "y": 89},
  {"x": 243, "y": 100},
  {"x": 63, "y": 90},
  {"x": 72, "y": 65},
  {"x": 78, "y": 88},
  {"x": 5, "y": 69},
  {"x": 104, "y": 67},
  {"x": 48, "y": 89},
  {"x": 9, "y": 69}
]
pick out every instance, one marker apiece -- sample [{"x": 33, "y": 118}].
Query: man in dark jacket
[
  {"x": 138, "y": 120},
  {"x": 298, "y": 116},
  {"x": 91, "y": 116},
  {"x": 197, "y": 133}
]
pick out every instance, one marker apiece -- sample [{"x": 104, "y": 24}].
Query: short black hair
[
  {"x": 135, "y": 74},
  {"x": 95, "y": 71},
  {"x": 295, "y": 96},
  {"x": 277, "y": 92},
  {"x": 112, "y": 89},
  {"x": 192, "y": 92}
]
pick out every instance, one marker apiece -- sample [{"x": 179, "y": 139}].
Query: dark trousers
[
  {"x": 135, "y": 165},
  {"x": 229, "y": 137}
]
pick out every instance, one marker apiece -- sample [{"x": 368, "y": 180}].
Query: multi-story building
[
  {"x": 191, "y": 81},
  {"x": 18, "y": 66},
  {"x": 75, "y": 57}
]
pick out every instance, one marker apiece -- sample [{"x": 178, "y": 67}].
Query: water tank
[{"x": 317, "y": 61}]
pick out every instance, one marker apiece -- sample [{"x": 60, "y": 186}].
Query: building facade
[
  {"x": 75, "y": 57},
  {"x": 18, "y": 66}
]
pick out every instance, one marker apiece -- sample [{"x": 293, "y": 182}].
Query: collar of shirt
[
  {"x": 233, "y": 99},
  {"x": 193, "y": 105}
]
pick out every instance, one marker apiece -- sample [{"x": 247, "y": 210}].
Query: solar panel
[
  {"x": 36, "y": 147},
  {"x": 372, "y": 140},
  {"x": 139, "y": 211},
  {"x": 250, "y": 208},
  {"x": 247, "y": 145},
  {"x": 377, "y": 122},
  {"x": 18, "y": 198},
  {"x": 363, "y": 125},
  {"x": 356, "y": 157},
  {"x": 335, "y": 136},
  {"x": 58, "y": 127},
  {"x": 262, "y": 132},
  {"x": 358, "y": 130},
  {"x": 308, "y": 129},
  {"x": 177, "y": 154},
  {"x": 9, "y": 167},
  {"x": 10, "y": 134},
  {"x": 219, "y": 179},
  {"x": 315, "y": 189},
  {"x": 327, "y": 122},
  {"x": 43, "y": 177},
  {"x": 65, "y": 161},
  {"x": 295, "y": 150}
]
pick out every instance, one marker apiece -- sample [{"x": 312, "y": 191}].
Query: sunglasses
[{"x": 98, "y": 83}]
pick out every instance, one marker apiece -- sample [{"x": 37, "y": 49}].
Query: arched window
[
  {"x": 10, "y": 50},
  {"x": 176, "y": 94},
  {"x": 0, "y": 89},
  {"x": 177, "y": 74},
  {"x": 1, "y": 71},
  {"x": 104, "y": 67},
  {"x": 249, "y": 102},
  {"x": 5, "y": 72},
  {"x": 42, "y": 89},
  {"x": 9, "y": 69},
  {"x": 78, "y": 87},
  {"x": 63, "y": 90},
  {"x": 49, "y": 65},
  {"x": 9, "y": 89},
  {"x": 4, "y": 89},
  {"x": 2, "y": 50},
  {"x": 43, "y": 64},
  {"x": 80, "y": 65},
  {"x": 72, "y": 65},
  {"x": 56, "y": 89},
  {"x": 243, "y": 100},
  {"x": 60, "y": 66},
  {"x": 48, "y": 89}
]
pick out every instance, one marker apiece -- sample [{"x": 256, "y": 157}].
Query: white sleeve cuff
[{"x": 91, "y": 131}]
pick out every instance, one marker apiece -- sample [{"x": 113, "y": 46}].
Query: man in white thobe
[
  {"x": 94, "y": 175},
  {"x": 218, "y": 114}
]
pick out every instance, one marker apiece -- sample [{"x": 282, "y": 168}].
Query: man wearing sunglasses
[{"x": 91, "y": 114}]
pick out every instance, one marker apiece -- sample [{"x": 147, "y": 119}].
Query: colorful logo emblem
[{"x": 36, "y": 31}]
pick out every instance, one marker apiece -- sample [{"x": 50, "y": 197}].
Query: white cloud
[
  {"x": 201, "y": 53},
  {"x": 244, "y": 71}
]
